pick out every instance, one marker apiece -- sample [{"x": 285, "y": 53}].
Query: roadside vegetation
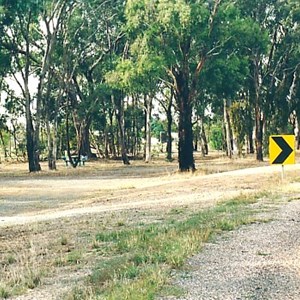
[
  {"x": 141, "y": 259},
  {"x": 126, "y": 256}
]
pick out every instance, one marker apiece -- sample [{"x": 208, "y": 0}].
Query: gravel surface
[{"x": 260, "y": 261}]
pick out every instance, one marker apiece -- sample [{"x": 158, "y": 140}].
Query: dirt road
[{"x": 39, "y": 199}]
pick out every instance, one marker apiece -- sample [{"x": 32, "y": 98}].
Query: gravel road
[{"x": 260, "y": 261}]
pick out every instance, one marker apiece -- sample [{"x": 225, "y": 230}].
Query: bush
[{"x": 216, "y": 137}]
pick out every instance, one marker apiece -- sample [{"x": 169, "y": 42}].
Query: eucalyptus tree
[
  {"x": 4, "y": 66},
  {"x": 283, "y": 88},
  {"x": 268, "y": 53},
  {"x": 184, "y": 35},
  {"x": 91, "y": 37},
  {"x": 138, "y": 73},
  {"x": 167, "y": 103},
  {"x": 224, "y": 81},
  {"x": 30, "y": 32},
  {"x": 3, "y": 130},
  {"x": 14, "y": 111}
]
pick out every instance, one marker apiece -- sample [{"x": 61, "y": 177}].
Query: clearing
[{"x": 45, "y": 217}]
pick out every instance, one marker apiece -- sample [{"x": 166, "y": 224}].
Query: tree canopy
[{"x": 90, "y": 74}]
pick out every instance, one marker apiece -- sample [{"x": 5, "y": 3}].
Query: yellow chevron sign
[{"x": 282, "y": 149}]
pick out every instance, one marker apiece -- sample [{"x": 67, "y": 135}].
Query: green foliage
[
  {"x": 4, "y": 292},
  {"x": 157, "y": 126},
  {"x": 216, "y": 137},
  {"x": 136, "y": 76},
  {"x": 226, "y": 76},
  {"x": 133, "y": 46},
  {"x": 241, "y": 122}
]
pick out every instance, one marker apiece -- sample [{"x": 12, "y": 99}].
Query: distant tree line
[{"x": 88, "y": 74}]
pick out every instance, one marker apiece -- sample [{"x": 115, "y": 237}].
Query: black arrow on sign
[{"x": 285, "y": 147}]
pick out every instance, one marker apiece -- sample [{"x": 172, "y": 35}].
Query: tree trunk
[
  {"x": 250, "y": 140},
  {"x": 85, "y": 140},
  {"x": 32, "y": 137},
  {"x": 52, "y": 143},
  {"x": 32, "y": 151},
  {"x": 54, "y": 146},
  {"x": 259, "y": 119},
  {"x": 169, "y": 132},
  {"x": 14, "y": 133},
  {"x": 185, "y": 127},
  {"x": 74, "y": 163},
  {"x": 204, "y": 144},
  {"x": 298, "y": 131},
  {"x": 111, "y": 135},
  {"x": 3, "y": 143},
  {"x": 227, "y": 129},
  {"x": 50, "y": 139},
  {"x": 31, "y": 143},
  {"x": 259, "y": 133},
  {"x": 106, "y": 144},
  {"x": 185, "y": 146},
  {"x": 96, "y": 145},
  {"x": 148, "y": 110},
  {"x": 120, "y": 119},
  {"x": 197, "y": 138}
]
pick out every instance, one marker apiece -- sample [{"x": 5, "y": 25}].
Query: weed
[
  {"x": 11, "y": 259},
  {"x": 32, "y": 279},
  {"x": 4, "y": 292},
  {"x": 120, "y": 223},
  {"x": 74, "y": 257},
  {"x": 171, "y": 290},
  {"x": 262, "y": 253},
  {"x": 176, "y": 211},
  {"x": 59, "y": 262},
  {"x": 78, "y": 293},
  {"x": 64, "y": 241}
]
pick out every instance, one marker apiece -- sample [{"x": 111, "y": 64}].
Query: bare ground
[
  {"x": 28, "y": 198},
  {"x": 37, "y": 211}
]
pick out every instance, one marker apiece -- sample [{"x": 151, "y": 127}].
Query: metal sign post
[{"x": 282, "y": 173}]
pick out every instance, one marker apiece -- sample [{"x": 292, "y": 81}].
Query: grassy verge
[
  {"x": 124, "y": 255},
  {"x": 137, "y": 262}
]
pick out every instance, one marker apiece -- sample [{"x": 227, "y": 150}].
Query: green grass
[
  {"x": 136, "y": 263},
  {"x": 4, "y": 293}
]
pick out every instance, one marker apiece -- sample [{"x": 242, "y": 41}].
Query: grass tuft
[{"x": 4, "y": 292}]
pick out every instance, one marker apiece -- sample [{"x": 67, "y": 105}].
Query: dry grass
[
  {"x": 54, "y": 255},
  {"x": 139, "y": 251}
]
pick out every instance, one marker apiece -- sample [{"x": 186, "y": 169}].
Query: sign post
[{"x": 282, "y": 150}]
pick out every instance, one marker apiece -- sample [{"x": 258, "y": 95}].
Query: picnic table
[{"x": 81, "y": 162}]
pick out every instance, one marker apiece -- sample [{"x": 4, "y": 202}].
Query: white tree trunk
[{"x": 148, "y": 110}]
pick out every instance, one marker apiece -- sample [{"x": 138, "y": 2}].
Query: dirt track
[{"x": 27, "y": 200}]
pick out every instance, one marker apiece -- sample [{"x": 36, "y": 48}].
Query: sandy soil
[{"x": 26, "y": 199}]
